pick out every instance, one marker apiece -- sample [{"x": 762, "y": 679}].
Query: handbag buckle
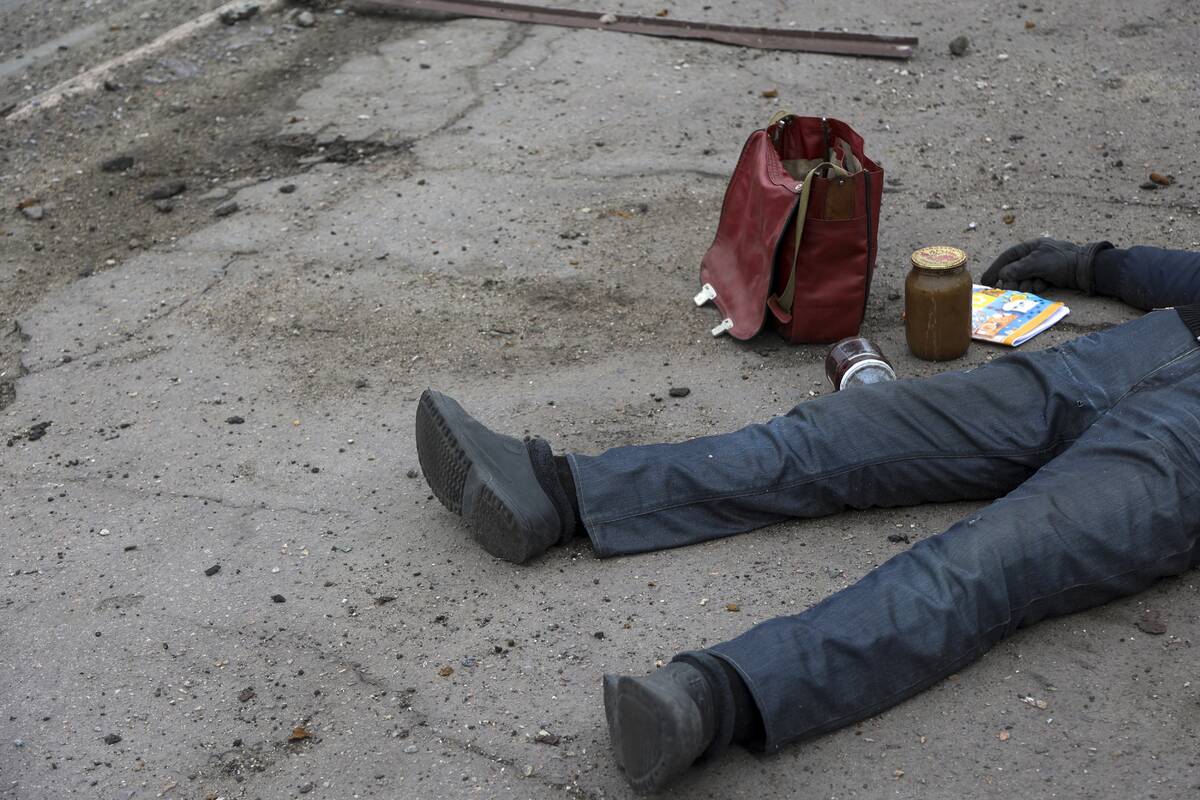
[
  {"x": 707, "y": 292},
  {"x": 725, "y": 325}
]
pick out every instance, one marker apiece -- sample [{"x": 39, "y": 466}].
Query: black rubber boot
[
  {"x": 486, "y": 478},
  {"x": 660, "y": 723}
]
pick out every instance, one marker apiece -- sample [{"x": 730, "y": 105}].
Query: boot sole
[
  {"x": 447, "y": 465},
  {"x": 649, "y": 751}
]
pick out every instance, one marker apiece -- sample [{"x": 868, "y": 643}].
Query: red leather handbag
[{"x": 796, "y": 242}]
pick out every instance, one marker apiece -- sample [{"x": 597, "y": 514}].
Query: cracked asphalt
[{"x": 514, "y": 215}]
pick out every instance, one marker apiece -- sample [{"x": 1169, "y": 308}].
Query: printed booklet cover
[{"x": 1011, "y": 318}]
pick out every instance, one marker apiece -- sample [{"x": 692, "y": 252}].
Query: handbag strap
[
  {"x": 783, "y": 301},
  {"x": 779, "y": 116}
]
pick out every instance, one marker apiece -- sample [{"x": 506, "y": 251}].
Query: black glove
[{"x": 1033, "y": 265}]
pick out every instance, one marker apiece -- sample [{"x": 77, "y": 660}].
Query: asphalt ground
[{"x": 514, "y": 215}]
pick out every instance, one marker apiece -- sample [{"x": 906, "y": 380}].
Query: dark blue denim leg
[
  {"x": 959, "y": 435},
  {"x": 1111, "y": 515}
]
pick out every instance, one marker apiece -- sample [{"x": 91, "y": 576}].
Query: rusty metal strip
[{"x": 832, "y": 42}]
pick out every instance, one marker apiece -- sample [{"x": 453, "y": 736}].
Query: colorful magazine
[{"x": 1011, "y": 318}]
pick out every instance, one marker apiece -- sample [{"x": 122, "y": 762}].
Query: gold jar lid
[{"x": 938, "y": 257}]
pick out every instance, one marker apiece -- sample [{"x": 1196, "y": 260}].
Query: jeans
[{"x": 1092, "y": 448}]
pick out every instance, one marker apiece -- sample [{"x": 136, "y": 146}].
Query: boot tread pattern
[{"x": 442, "y": 459}]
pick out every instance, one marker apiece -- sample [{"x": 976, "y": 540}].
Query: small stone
[
  {"x": 111, "y": 86},
  {"x": 278, "y": 598},
  {"x": 598, "y": 634},
  {"x": 1151, "y": 622},
  {"x": 287, "y": 188},
  {"x": 213, "y": 570},
  {"x": 546, "y": 737},
  {"x": 412, "y": 748},
  {"x": 164, "y": 206},
  {"x": 679, "y": 391},
  {"x": 935, "y": 204},
  {"x": 1149, "y": 186},
  {"x": 112, "y": 738},
  {"x": 225, "y": 209},
  {"x": 608, "y": 19},
  {"x": 213, "y": 195},
  {"x": 959, "y": 45},
  {"x": 897, "y": 538},
  {"x": 235, "y": 420},
  {"x": 34, "y": 212},
  {"x": 305, "y": 788},
  {"x": 1162, "y": 180},
  {"x": 246, "y": 695},
  {"x": 412, "y": 473},
  {"x": 117, "y": 164},
  {"x": 446, "y": 671},
  {"x": 1009, "y": 219},
  {"x": 166, "y": 190},
  {"x": 306, "y": 19},
  {"x": 528, "y": 770},
  {"x": 238, "y": 14}
]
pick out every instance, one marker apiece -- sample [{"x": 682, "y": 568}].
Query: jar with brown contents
[{"x": 937, "y": 304}]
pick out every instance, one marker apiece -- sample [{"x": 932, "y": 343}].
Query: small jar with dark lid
[{"x": 937, "y": 304}]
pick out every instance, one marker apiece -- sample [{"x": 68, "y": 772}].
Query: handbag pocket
[{"x": 832, "y": 280}]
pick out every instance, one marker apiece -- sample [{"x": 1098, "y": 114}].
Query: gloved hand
[{"x": 1033, "y": 265}]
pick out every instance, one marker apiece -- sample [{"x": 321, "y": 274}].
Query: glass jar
[
  {"x": 937, "y": 304},
  {"x": 857, "y": 361}
]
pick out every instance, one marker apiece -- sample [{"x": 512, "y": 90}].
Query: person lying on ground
[{"x": 1093, "y": 449}]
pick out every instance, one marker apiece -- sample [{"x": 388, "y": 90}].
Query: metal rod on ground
[{"x": 831, "y": 42}]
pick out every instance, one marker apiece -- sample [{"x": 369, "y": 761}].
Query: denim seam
[
  {"x": 1191, "y": 351},
  {"x": 836, "y": 473},
  {"x": 978, "y": 652}
]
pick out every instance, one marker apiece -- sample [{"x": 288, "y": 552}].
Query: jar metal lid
[{"x": 939, "y": 256}]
